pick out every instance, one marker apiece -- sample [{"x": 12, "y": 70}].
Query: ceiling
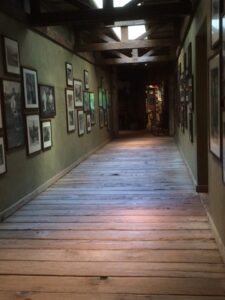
[{"x": 163, "y": 20}]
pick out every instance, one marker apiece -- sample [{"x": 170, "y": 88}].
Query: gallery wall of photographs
[{"x": 27, "y": 106}]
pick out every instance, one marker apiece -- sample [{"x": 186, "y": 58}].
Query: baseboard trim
[
  {"x": 202, "y": 189},
  {"x": 13, "y": 208},
  {"x": 219, "y": 242}
]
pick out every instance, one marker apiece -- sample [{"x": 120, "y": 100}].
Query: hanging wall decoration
[
  {"x": 78, "y": 93},
  {"x": 86, "y": 102},
  {"x": 12, "y": 57},
  {"x": 2, "y": 156},
  {"x": 92, "y": 106},
  {"x": 69, "y": 74},
  {"x": 80, "y": 118},
  {"x": 88, "y": 123},
  {"x": 71, "y": 125},
  {"x": 30, "y": 86},
  {"x": 100, "y": 97},
  {"x": 46, "y": 129},
  {"x": 86, "y": 80},
  {"x": 33, "y": 134},
  {"x": 215, "y": 22},
  {"x": 47, "y": 101}
]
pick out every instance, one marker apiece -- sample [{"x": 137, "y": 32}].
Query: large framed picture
[
  {"x": 69, "y": 74},
  {"x": 33, "y": 134},
  {"x": 78, "y": 93},
  {"x": 2, "y": 156},
  {"x": 13, "y": 117},
  {"x": 224, "y": 146},
  {"x": 80, "y": 118},
  {"x": 46, "y": 129},
  {"x": 88, "y": 123},
  {"x": 215, "y": 22},
  {"x": 30, "y": 85},
  {"x": 12, "y": 57},
  {"x": 47, "y": 101},
  {"x": 86, "y": 102},
  {"x": 71, "y": 125},
  {"x": 86, "y": 80},
  {"x": 214, "y": 105}
]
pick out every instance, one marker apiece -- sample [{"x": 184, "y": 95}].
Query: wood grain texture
[{"x": 126, "y": 224}]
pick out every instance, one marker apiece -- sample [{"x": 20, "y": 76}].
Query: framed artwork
[
  {"x": 47, "y": 101},
  {"x": 101, "y": 118},
  {"x": 86, "y": 80},
  {"x": 13, "y": 117},
  {"x": 30, "y": 88},
  {"x": 100, "y": 97},
  {"x": 46, "y": 129},
  {"x": 78, "y": 93},
  {"x": 69, "y": 74},
  {"x": 189, "y": 92},
  {"x": 88, "y": 123},
  {"x": 104, "y": 101},
  {"x": 224, "y": 146},
  {"x": 33, "y": 134},
  {"x": 12, "y": 57},
  {"x": 214, "y": 105},
  {"x": 71, "y": 125},
  {"x": 215, "y": 22},
  {"x": 191, "y": 132},
  {"x": 2, "y": 157},
  {"x": 80, "y": 118},
  {"x": 86, "y": 102},
  {"x": 92, "y": 101}
]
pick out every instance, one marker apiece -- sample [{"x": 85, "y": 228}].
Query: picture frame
[
  {"x": 86, "y": 80},
  {"x": 33, "y": 134},
  {"x": 13, "y": 114},
  {"x": 223, "y": 123},
  {"x": 92, "y": 101},
  {"x": 86, "y": 101},
  {"x": 104, "y": 100},
  {"x": 46, "y": 130},
  {"x": 100, "y": 97},
  {"x": 70, "y": 111},
  {"x": 80, "y": 120},
  {"x": 47, "y": 101},
  {"x": 3, "y": 167},
  {"x": 101, "y": 118},
  {"x": 214, "y": 106},
  {"x": 215, "y": 23},
  {"x": 78, "y": 93},
  {"x": 30, "y": 86},
  {"x": 11, "y": 56},
  {"x": 88, "y": 123},
  {"x": 69, "y": 74},
  {"x": 190, "y": 92},
  {"x": 191, "y": 128}
]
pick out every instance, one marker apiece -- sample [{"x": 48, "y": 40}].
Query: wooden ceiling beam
[{"x": 135, "y": 60}]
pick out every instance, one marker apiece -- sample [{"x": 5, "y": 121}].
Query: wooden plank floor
[{"x": 125, "y": 224}]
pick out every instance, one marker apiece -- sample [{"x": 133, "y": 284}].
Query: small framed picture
[
  {"x": 224, "y": 146},
  {"x": 2, "y": 157},
  {"x": 13, "y": 116},
  {"x": 215, "y": 22},
  {"x": 92, "y": 101},
  {"x": 30, "y": 88},
  {"x": 71, "y": 125},
  {"x": 33, "y": 134},
  {"x": 46, "y": 129},
  {"x": 69, "y": 74},
  {"x": 101, "y": 118},
  {"x": 47, "y": 101},
  {"x": 86, "y": 102},
  {"x": 100, "y": 97},
  {"x": 78, "y": 93},
  {"x": 12, "y": 57},
  {"x": 86, "y": 80},
  {"x": 88, "y": 123},
  {"x": 80, "y": 118}
]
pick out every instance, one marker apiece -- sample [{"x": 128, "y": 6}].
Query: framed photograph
[
  {"x": 86, "y": 102},
  {"x": 13, "y": 117},
  {"x": 101, "y": 118},
  {"x": 88, "y": 123},
  {"x": 69, "y": 74},
  {"x": 46, "y": 129},
  {"x": 86, "y": 80},
  {"x": 214, "y": 105},
  {"x": 12, "y": 57},
  {"x": 100, "y": 97},
  {"x": 80, "y": 119},
  {"x": 2, "y": 157},
  {"x": 92, "y": 101},
  {"x": 47, "y": 101},
  {"x": 33, "y": 134},
  {"x": 30, "y": 87},
  {"x": 215, "y": 22},
  {"x": 190, "y": 93},
  {"x": 224, "y": 146},
  {"x": 71, "y": 125},
  {"x": 78, "y": 93}
]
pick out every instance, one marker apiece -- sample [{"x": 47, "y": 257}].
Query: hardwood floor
[{"x": 125, "y": 224}]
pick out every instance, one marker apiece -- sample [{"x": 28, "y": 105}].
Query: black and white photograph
[
  {"x": 86, "y": 102},
  {"x": 88, "y": 123},
  {"x": 47, "y": 101},
  {"x": 101, "y": 118},
  {"x": 80, "y": 120},
  {"x": 92, "y": 107},
  {"x": 13, "y": 117},
  {"x": 33, "y": 134},
  {"x": 78, "y": 93},
  {"x": 46, "y": 128},
  {"x": 30, "y": 86},
  {"x": 2, "y": 157},
  {"x": 71, "y": 123},
  {"x": 12, "y": 57},
  {"x": 214, "y": 104},
  {"x": 69, "y": 74},
  {"x": 215, "y": 22},
  {"x": 86, "y": 80}
]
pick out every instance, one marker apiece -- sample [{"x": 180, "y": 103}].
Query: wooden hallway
[{"x": 126, "y": 224}]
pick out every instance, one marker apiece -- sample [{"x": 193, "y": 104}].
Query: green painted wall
[{"x": 25, "y": 174}]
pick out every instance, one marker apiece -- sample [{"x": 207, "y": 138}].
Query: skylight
[
  {"x": 117, "y": 31},
  {"x": 116, "y": 3},
  {"x": 135, "y": 31}
]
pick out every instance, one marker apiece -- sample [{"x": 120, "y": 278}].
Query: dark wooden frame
[
  {"x": 35, "y": 106},
  {"x": 86, "y": 80},
  {"x": 86, "y": 104},
  {"x": 7, "y": 68},
  {"x": 42, "y": 134},
  {"x": 88, "y": 129},
  {"x": 215, "y": 11},
  {"x": 4, "y": 156},
  {"x": 79, "y": 128},
  {"x": 29, "y": 152},
  {"x": 81, "y": 104},
  {"x": 67, "y": 64},
  {"x": 68, "y": 110},
  {"x": 42, "y": 112}
]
